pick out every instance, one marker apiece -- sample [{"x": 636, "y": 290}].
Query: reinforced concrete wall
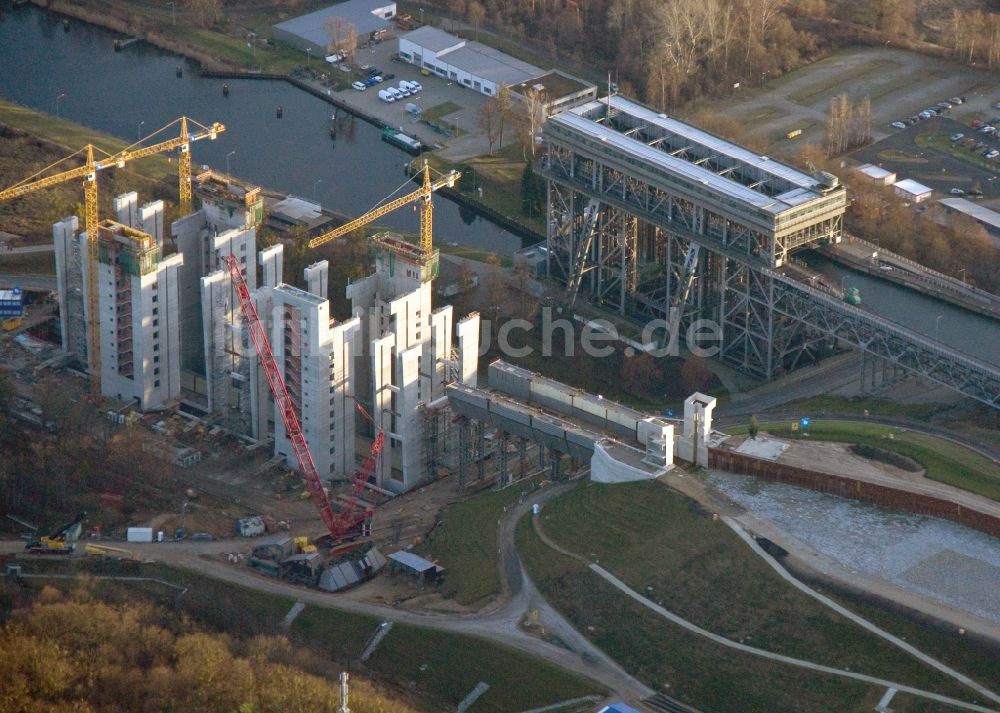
[{"x": 881, "y": 495}]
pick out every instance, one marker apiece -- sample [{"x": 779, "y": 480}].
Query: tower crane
[
  {"x": 88, "y": 172},
  {"x": 423, "y": 193},
  {"x": 349, "y": 521}
]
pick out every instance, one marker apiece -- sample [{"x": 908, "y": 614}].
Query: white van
[
  {"x": 396, "y": 94},
  {"x": 385, "y": 96},
  {"x": 403, "y": 89}
]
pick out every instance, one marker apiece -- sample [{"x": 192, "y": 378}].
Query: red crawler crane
[{"x": 349, "y": 522}]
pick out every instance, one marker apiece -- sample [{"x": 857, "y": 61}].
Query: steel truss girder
[
  {"x": 889, "y": 341},
  {"x": 770, "y": 321}
]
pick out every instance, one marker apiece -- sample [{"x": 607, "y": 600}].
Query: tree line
[
  {"x": 75, "y": 654},
  {"x": 661, "y": 52}
]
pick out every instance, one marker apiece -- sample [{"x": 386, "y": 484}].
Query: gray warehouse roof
[
  {"x": 311, "y": 27},
  {"x": 472, "y": 57},
  {"x": 983, "y": 214},
  {"x": 432, "y": 38},
  {"x": 491, "y": 64}
]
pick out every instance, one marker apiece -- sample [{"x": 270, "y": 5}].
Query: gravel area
[{"x": 935, "y": 558}]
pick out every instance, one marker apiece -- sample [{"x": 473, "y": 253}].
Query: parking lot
[
  {"x": 926, "y": 153},
  {"x": 899, "y": 84},
  {"x": 436, "y": 92}
]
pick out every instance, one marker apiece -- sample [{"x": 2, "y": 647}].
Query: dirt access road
[{"x": 502, "y": 624}]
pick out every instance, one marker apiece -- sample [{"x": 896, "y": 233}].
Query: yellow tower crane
[
  {"x": 88, "y": 172},
  {"x": 426, "y": 211}
]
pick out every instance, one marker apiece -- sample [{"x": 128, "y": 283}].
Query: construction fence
[{"x": 881, "y": 495}]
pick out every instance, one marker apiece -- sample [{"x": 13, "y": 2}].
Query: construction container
[
  {"x": 139, "y": 534},
  {"x": 250, "y": 526}
]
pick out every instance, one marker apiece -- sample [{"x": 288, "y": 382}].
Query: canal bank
[{"x": 78, "y": 76}]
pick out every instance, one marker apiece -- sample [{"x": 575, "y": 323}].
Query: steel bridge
[{"x": 657, "y": 219}]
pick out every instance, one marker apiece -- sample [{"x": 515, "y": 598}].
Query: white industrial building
[
  {"x": 912, "y": 191},
  {"x": 137, "y": 297},
  {"x": 470, "y": 64},
  {"x": 877, "y": 174}
]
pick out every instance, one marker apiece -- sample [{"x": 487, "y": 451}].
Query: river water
[{"x": 134, "y": 92}]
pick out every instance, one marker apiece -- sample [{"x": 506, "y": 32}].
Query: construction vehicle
[
  {"x": 88, "y": 172},
  {"x": 423, "y": 194},
  {"x": 352, "y": 521},
  {"x": 60, "y": 542}
]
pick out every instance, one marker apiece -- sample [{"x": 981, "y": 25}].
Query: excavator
[{"x": 60, "y": 542}]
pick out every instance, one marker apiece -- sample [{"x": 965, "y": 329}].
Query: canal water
[
  {"x": 957, "y": 328},
  {"x": 134, "y": 92}
]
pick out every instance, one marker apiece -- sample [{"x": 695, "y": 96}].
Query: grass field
[
  {"x": 939, "y": 141},
  {"x": 817, "y": 405},
  {"x": 28, "y": 263},
  {"x": 943, "y": 460},
  {"x": 465, "y": 543},
  {"x": 438, "y": 110},
  {"x": 439, "y": 669},
  {"x": 663, "y": 545},
  {"x": 73, "y": 137}
]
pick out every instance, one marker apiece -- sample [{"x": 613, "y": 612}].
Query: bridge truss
[{"x": 655, "y": 251}]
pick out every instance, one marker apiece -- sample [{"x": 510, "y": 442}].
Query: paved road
[
  {"x": 500, "y": 625},
  {"x": 28, "y": 282}
]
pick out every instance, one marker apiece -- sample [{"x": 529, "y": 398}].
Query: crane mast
[
  {"x": 89, "y": 173},
  {"x": 337, "y": 525}
]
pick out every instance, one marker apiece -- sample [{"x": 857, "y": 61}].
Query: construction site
[{"x": 192, "y": 331}]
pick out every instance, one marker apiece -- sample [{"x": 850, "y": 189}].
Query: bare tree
[
  {"x": 343, "y": 36},
  {"x": 534, "y": 101},
  {"x": 476, "y": 14},
  {"x": 490, "y": 122},
  {"x": 503, "y": 108}
]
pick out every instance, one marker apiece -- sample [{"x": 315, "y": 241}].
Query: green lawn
[
  {"x": 661, "y": 544},
  {"x": 943, "y": 460},
  {"x": 938, "y": 141},
  {"x": 465, "y": 543},
  {"x": 74, "y": 137},
  {"x": 439, "y": 110},
  {"x": 875, "y": 406},
  {"x": 444, "y": 668}
]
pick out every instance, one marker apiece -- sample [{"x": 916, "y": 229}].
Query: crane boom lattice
[{"x": 423, "y": 193}]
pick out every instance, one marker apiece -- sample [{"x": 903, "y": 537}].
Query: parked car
[
  {"x": 957, "y": 137},
  {"x": 925, "y": 115},
  {"x": 396, "y": 94},
  {"x": 371, "y": 82},
  {"x": 388, "y": 77},
  {"x": 975, "y": 193},
  {"x": 976, "y": 123},
  {"x": 997, "y": 105},
  {"x": 956, "y": 100},
  {"x": 386, "y": 96},
  {"x": 414, "y": 86},
  {"x": 360, "y": 86},
  {"x": 898, "y": 125},
  {"x": 944, "y": 105},
  {"x": 372, "y": 71},
  {"x": 377, "y": 78},
  {"x": 403, "y": 89},
  {"x": 992, "y": 153},
  {"x": 957, "y": 192},
  {"x": 201, "y": 537}
]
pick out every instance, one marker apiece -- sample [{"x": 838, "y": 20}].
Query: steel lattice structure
[{"x": 689, "y": 226}]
